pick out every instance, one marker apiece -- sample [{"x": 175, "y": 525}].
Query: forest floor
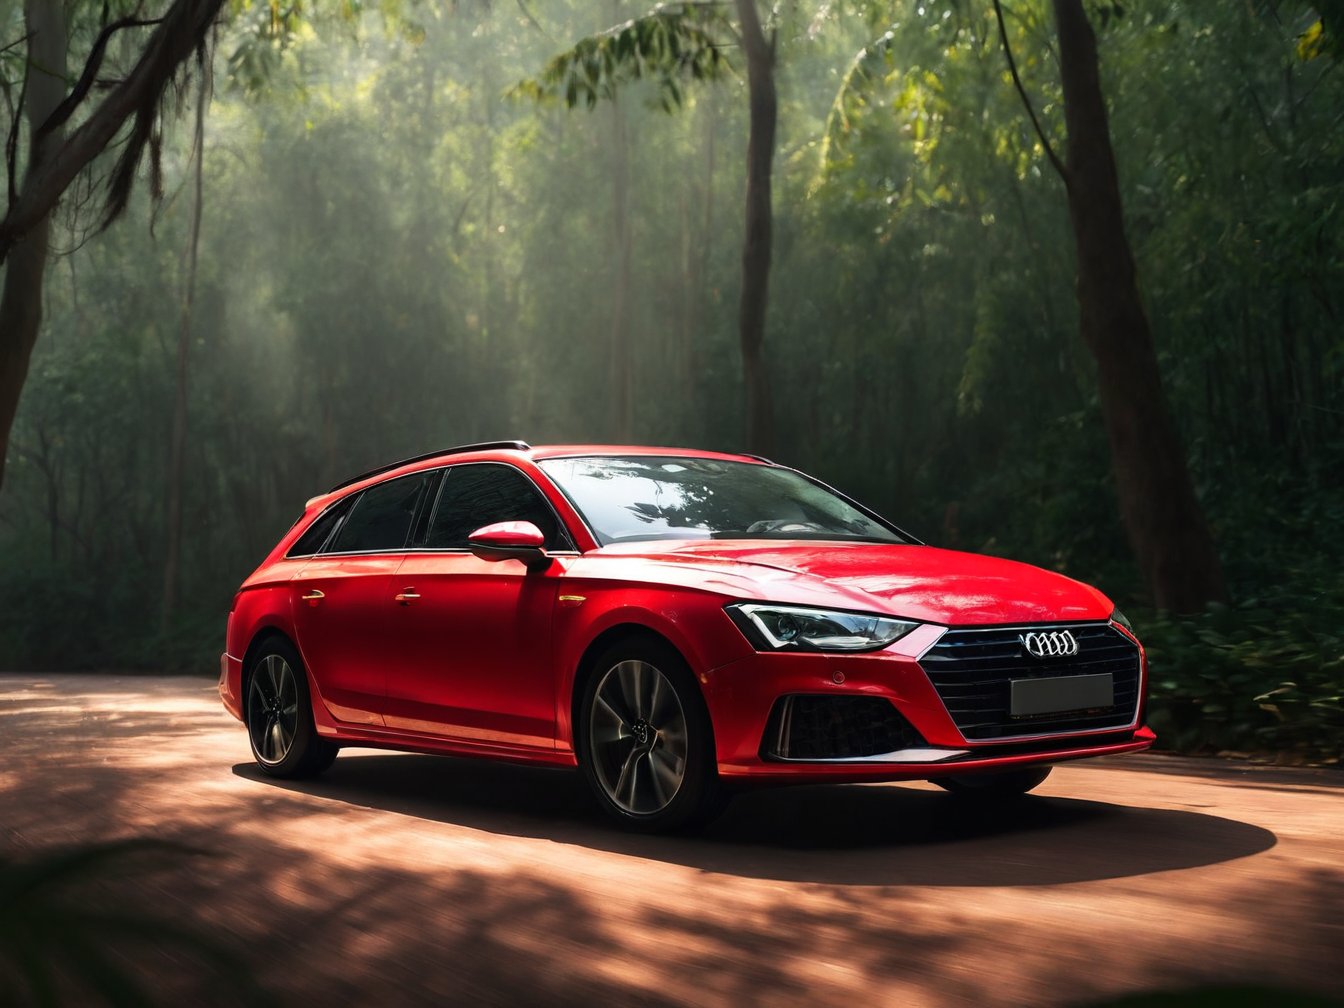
[{"x": 427, "y": 881}]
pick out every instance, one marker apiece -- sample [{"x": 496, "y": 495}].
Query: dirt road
[{"x": 415, "y": 880}]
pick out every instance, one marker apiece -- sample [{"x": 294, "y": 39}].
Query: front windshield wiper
[{"x": 809, "y": 537}]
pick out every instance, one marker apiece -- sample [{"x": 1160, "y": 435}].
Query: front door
[{"x": 474, "y": 636}]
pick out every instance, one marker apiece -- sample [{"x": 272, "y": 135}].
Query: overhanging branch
[
  {"x": 1026, "y": 101},
  {"x": 12, "y": 144},
  {"x": 180, "y": 32},
  {"x": 92, "y": 65}
]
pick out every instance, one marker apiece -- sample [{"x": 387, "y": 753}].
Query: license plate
[{"x": 1056, "y": 696}]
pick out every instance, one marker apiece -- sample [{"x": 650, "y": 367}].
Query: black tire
[
  {"x": 994, "y": 786},
  {"x": 644, "y": 739},
  {"x": 279, "y": 715}
]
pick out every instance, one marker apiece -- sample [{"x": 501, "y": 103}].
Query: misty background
[{"x": 400, "y": 250}]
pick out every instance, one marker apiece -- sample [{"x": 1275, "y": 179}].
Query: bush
[{"x": 1265, "y": 674}]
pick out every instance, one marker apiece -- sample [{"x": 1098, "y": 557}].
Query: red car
[{"x": 672, "y": 622}]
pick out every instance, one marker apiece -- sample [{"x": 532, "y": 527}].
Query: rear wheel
[
  {"x": 280, "y": 726},
  {"x": 644, "y": 739},
  {"x": 1007, "y": 784}
]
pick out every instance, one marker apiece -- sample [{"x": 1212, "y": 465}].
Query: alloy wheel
[
  {"x": 273, "y": 709},
  {"x": 637, "y": 732}
]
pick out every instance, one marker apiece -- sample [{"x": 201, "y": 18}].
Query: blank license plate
[{"x": 1068, "y": 693}]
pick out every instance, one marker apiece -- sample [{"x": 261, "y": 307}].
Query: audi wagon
[{"x": 672, "y": 622}]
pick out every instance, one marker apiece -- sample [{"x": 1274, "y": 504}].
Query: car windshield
[{"x": 674, "y": 497}]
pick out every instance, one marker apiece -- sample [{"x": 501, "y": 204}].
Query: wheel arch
[{"x": 587, "y": 665}]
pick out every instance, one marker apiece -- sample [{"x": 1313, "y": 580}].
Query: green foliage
[
  {"x": 1264, "y": 675},
  {"x": 670, "y": 45},
  {"x": 1267, "y": 672},
  {"x": 65, "y": 940},
  {"x": 265, "y": 35},
  {"x": 1322, "y": 36}
]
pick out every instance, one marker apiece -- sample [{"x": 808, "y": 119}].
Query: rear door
[{"x": 345, "y": 606}]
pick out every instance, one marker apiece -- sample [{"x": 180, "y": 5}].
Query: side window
[
  {"x": 381, "y": 519},
  {"x": 478, "y": 495},
  {"x": 320, "y": 531}
]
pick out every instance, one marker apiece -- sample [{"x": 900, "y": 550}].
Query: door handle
[
  {"x": 313, "y": 597},
  {"x": 406, "y": 596}
]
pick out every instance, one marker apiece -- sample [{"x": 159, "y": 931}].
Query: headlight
[
  {"x": 1119, "y": 617},
  {"x": 787, "y": 627}
]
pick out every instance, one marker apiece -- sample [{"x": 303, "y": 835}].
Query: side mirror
[{"x": 513, "y": 540}]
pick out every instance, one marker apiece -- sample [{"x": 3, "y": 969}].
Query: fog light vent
[{"x": 805, "y": 727}]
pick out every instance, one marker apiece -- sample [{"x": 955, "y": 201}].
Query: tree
[
  {"x": 669, "y": 45},
  {"x": 756, "y": 242},
  {"x": 56, "y": 159},
  {"x": 177, "y": 449},
  {"x": 1158, "y": 506}
]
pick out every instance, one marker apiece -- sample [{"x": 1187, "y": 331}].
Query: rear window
[
  {"x": 319, "y": 531},
  {"x": 381, "y": 518}
]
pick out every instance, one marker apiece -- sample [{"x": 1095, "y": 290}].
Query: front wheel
[
  {"x": 280, "y": 726},
  {"x": 1006, "y": 784},
  {"x": 644, "y": 739}
]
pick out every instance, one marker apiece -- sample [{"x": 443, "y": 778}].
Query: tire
[
  {"x": 645, "y": 743},
  {"x": 994, "y": 786},
  {"x": 279, "y": 715}
]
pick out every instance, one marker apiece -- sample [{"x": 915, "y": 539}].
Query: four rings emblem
[{"x": 1052, "y": 644}]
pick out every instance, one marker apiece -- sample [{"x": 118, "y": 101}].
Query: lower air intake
[{"x": 835, "y": 727}]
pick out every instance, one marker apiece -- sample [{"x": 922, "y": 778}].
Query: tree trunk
[
  {"x": 699, "y": 240},
  {"x": 21, "y": 300},
  {"x": 177, "y": 453},
  {"x": 622, "y": 369},
  {"x": 1161, "y": 514},
  {"x": 756, "y": 243}
]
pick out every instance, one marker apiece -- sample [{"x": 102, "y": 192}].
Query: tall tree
[
  {"x": 177, "y": 450},
  {"x": 56, "y": 159},
  {"x": 21, "y": 300},
  {"x": 761, "y": 98},
  {"x": 669, "y": 45},
  {"x": 1158, "y": 506},
  {"x": 622, "y": 384}
]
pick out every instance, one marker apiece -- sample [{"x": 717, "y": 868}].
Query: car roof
[
  {"x": 506, "y": 449},
  {"x": 564, "y": 451}
]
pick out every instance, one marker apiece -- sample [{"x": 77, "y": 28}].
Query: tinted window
[
  {"x": 381, "y": 519},
  {"x": 477, "y": 495},
  {"x": 693, "y": 498},
  {"x": 319, "y": 531}
]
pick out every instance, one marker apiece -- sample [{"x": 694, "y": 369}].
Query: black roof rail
[{"x": 457, "y": 450}]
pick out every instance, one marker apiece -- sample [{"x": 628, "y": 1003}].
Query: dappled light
[{"x": 436, "y": 877}]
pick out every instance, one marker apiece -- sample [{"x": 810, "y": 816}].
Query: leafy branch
[
  {"x": 1026, "y": 100},
  {"x": 670, "y": 45}
]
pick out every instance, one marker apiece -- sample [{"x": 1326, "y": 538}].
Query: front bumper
[{"x": 742, "y": 694}]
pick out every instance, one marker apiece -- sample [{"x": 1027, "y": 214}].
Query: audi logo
[{"x": 1055, "y": 644}]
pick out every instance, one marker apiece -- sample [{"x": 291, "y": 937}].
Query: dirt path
[{"x": 414, "y": 880}]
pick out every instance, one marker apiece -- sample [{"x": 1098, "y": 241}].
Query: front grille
[
  {"x": 835, "y": 727},
  {"x": 972, "y": 671}
]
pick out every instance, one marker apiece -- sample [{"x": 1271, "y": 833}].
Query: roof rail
[{"x": 457, "y": 450}]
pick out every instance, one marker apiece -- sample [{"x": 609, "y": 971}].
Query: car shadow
[{"x": 836, "y": 834}]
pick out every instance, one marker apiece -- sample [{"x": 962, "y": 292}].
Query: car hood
[{"x": 921, "y": 583}]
